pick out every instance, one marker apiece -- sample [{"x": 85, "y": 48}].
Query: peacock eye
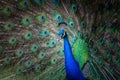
[
  {"x": 41, "y": 55},
  {"x": 9, "y": 9},
  {"x": 27, "y": 20},
  {"x": 95, "y": 49},
  {"x": 58, "y": 17},
  {"x": 54, "y": 60},
  {"x": 28, "y": 35},
  {"x": 9, "y": 25},
  {"x": 13, "y": 40},
  {"x": 34, "y": 48},
  {"x": 25, "y": 3},
  {"x": 61, "y": 52},
  {"x": 40, "y": 0},
  {"x": 71, "y": 24},
  {"x": 83, "y": 24},
  {"x": 52, "y": 42},
  {"x": 37, "y": 68},
  {"x": 28, "y": 64},
  {"x": 20, "y": 52},
  {"x": 42, "y": 17},
  {"x": 7, "y": 60},
  {"x": 56, "y": 1},
  {"x": 74, "y": 7},
  {"x": 45, "y": 32},
  {"x": 20, "y": 70}
]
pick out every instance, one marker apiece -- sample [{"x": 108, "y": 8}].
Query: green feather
[
  {"x": 57, "y": 17},
  {"x": 8, "y": 26},
  {"x": 26, "y": 21},
  {"x": 6, "y": 11},
  {"x": 41, "y": 55},
  {"x": 44, "y": 33},
  {"x": 41, "y": 18},
  {"x": 70, "y": 23},
  {"x": 12, "y": 41},
  {"x": 39, "y": 2},
  {"x": 34, "y": 48},
  {"x": 19, "y": 53},
  {"x": 28, "y": 35},
  {"x": 80, "y": 52},
  {"x": 1, "y": 49},
  {"x": 24, "y": 4}
]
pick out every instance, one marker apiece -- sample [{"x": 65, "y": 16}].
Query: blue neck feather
[{"x": 72, "y": 67}]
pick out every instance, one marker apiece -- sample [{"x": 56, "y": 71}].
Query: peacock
[
  {"x": 59, "y": 40},
  {"x": 72, "y": 67}
]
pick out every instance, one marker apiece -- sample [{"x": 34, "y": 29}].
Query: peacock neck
[
  {"x": 67, "y": 49},
  {"x": 72, "y": 67}
]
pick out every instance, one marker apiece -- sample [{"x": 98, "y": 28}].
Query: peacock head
[{"x": 62, "y": 34}]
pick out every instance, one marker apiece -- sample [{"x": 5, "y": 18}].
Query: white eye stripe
[{"x": 63, "y": 34}]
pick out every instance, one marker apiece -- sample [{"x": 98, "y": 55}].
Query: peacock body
[
  {"x": 71, "y": 65},
  {"x": 29, "y": 45}
]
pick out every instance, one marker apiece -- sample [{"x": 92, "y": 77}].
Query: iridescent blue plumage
[{"x": 72, "y": 67}]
